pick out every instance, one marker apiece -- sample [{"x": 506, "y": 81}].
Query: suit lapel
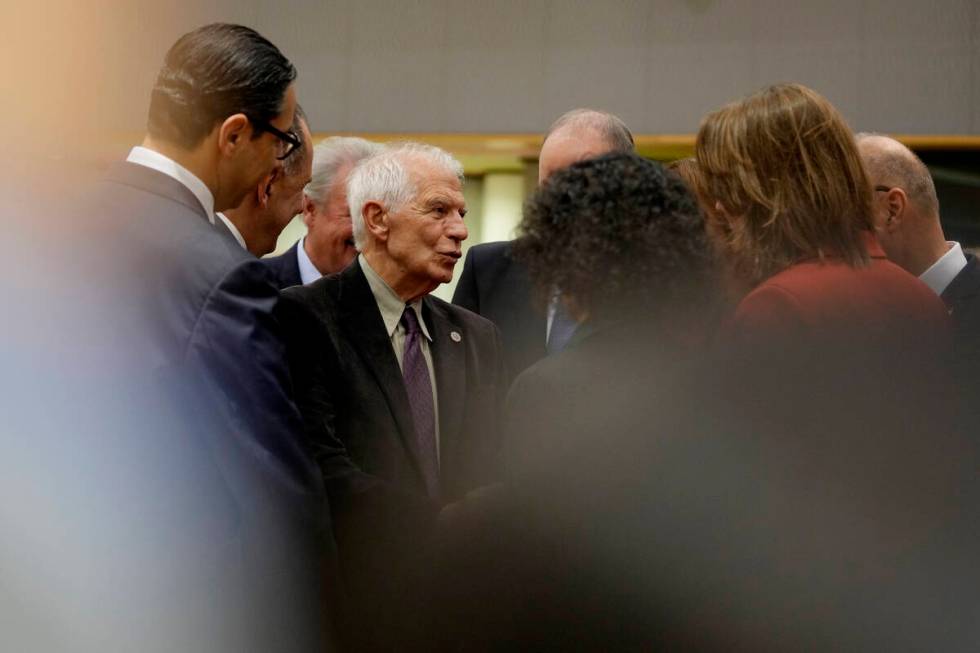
[
  {"x": 361, "y": 319},
  {"x": 449, "y": 364}
]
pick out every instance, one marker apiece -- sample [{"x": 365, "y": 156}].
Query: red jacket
[{"x": 818, "y": 299}]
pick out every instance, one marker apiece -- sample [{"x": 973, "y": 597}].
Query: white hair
[
  {"x": 385, "y": 178},
  {"x": 332, "y": 154}
]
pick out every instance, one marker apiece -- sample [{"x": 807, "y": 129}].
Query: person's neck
[
  {"x": 247, "y": 218},
  {"x": 318, "y": 261},
  {"x": 930, "y": 248},
  {"x": 406, "y": 289},
  {"x": 196, "y": 161}
]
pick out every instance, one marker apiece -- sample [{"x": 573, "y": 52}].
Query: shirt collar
[
  {"x": 942, "y": 272},
  {"x": 233, "y": 229},
  {"x": 151, "y": 159},
  {"x": 307, "y": 271},
  {"x": 389, "y": 303}
]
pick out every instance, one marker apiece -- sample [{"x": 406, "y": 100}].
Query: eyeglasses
[
  {"x": 287, "y": 140},
  {"x": 882, "y": 189}
]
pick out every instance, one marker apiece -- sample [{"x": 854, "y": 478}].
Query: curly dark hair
[{"x": 616, "y": 233}]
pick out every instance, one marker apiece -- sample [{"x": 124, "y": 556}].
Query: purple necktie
[{"x": 419, "y": 388}]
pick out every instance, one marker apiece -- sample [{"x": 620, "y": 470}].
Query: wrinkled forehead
[{"x": 430, "y": 180}]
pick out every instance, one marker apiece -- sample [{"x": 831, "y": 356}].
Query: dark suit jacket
[
  {"x": 195, "y": 312},
  {"x": 962, "y": 298},
  {"x": 285, "y": 268},
  {"x": 353, "y": 397},
  {"x": 497, "y": 287},
  {"x": 360, "y": 428}
]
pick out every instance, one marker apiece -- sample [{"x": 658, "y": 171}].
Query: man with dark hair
[
  {"x": 257, "y": 222},
  {"x": 200, "y": 307},
  {"x": 495, "y": 286}
]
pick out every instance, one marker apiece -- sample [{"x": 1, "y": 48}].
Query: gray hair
[
  {"x": 332, "y": 154},
  {"x": 895, "y": 164},
  {"x": 611, "y": 127},
  {"x": 386, "y": 178}
]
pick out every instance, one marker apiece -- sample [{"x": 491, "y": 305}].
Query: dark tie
[
  {"x": 419, "y": 388},
  {"x": 562, "y": 328}
]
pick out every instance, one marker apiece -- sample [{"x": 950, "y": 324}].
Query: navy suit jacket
[
  {"x": 497, "y": 287},
  {"x": 962, "y": 295},
  {"x": 285, "y": 268},
  {"x": 962, "y": 298},
  {"x": 198, "y": 310}
]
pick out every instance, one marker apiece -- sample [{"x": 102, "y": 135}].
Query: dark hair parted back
[
  {"x": 616, "y": 234},
  {"x": 784, "y": 167},
  {"x": 214, "y": 72}
]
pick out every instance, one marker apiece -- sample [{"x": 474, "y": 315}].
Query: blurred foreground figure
[
  {"x": 187, "y": 514},
  {"x": 257, "y": 222},
  {"x": 497, "y": 287},
  {"x": 400, "y": 391},
  {"x": 789, "y": 205},
  {"x": 328, "y": 246},
  {"x": 661, "y": 496}
]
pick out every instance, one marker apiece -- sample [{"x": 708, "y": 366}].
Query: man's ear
[
  {"x": 309, "y": 210},
  {"x": 375, "y": 219},
  {"x": 896, "y": 201},
  {"x": 233, "y": 132},
  {"x": 265, "y": 186},
  {"x": 264, "y": 190}
]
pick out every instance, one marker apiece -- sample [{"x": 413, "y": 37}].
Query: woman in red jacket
[{"x": 789, "y": 207}]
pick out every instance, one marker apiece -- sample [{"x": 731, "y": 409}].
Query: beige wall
[{"x": 511, "y": 66}]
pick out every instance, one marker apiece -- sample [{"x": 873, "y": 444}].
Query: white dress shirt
[
  {"x": 392, "y": 307},
  {"x": 942, "y": 272},
  {"x": 146, "y": 157},
  {"x": 307, "y": 271},
  {"x": 233, "y": 229}
]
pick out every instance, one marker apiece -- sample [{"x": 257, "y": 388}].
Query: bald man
[
  {"x": 906, "y": 212},
  {"x": 495, "y": 286}
]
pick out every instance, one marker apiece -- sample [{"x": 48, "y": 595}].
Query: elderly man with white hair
[
  {"x": 399, "y": 390},
  {"x": 328, "y": 246}
]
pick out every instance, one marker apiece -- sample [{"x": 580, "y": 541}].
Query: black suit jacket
[
  {"x": 352, "y": 394},
  {"x": 285, "y": 268},
  {"x": 497, "y": 287},
  {"x": 360, "y": 429},
  {"x": 962, "y": 298},
  {"x": 962, "y": 295},
  {"x": 195, "y": 313}
]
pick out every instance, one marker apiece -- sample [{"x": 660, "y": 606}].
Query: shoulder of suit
[
  {"x": 490, "y": 251},
  {"x": 323, "y": 289},
  {"x": 280, "y": 259},
  {"x": 462, "y": 316}
]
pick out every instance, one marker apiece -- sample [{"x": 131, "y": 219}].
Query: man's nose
[{"x": 457, "y": 228}]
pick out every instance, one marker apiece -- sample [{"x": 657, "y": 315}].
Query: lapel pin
[{"x": 455, "y": 336}]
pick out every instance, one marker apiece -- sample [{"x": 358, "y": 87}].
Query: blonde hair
[{"x": 784, "y": 167}]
